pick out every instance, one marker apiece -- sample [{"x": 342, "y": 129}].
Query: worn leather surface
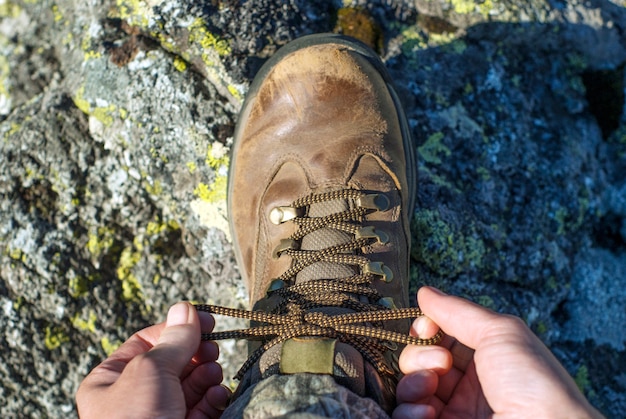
[{"x": 322, "y": 119}]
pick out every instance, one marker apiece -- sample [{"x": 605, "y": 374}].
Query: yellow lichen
[
  {"x": 153, "y": 188},
  {"x": 200, "y": 35},
  {"x": 100, "y": 241},
  {"x": 54, "y": 337},
  {"x": 180, "y": 64},
  {"x": 78, "y": 286},
  {"x": 109, "y": 347},
  {"x": 88, "y": 325},
  {"x": 131, "y": 288},
  {"x": 191, "y": 166}
]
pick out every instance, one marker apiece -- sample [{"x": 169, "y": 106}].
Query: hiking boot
[{"x": 321, "y": 187}]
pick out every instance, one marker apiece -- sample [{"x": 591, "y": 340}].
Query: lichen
[
  {"x": 88, "y": 325},
  {"x": 109, "y": 347},
  {"x": 54, "y": 337},
  {"x": 200, "y": 35},
  {"x": 131, "y": 288},
  {"x": 444, "y": 249},
  {"x": 465, "y": 7},
  {"x": 433, "y": 148},
  {"x": 100, "y": 241}
]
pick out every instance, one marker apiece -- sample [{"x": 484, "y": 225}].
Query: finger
[
  {"x": 417, "y": 358},
  {"x": 108, "y": 371},
  {"x": 212, "y": 404},
  {"x": 207, "y": 321},
  {"x": 446, "y": 310},
  {"x": 413, "y": 411},
  {"x": 207, "y": 352},
  {"x": 424, "y": 328},
  {"x": 200, "y": 380},
  {"x": 413, "y": 388},
  {"x": 179, "y": 340}
]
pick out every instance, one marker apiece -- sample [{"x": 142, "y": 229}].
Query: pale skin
[
  {"x": 489, "y": 365},
  {"x": 507, "y": 373},
  {"x": 161, "y": 371}
]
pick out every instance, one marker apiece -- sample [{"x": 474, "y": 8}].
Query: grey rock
[{"x": 116, "y": 120}]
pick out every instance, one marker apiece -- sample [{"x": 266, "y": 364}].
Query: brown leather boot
[{"x": 321, "y": 187}]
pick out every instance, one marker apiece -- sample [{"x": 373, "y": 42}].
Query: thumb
[
  {"x": 180, "y": 338},
  {"x": 458, "y": 317}
]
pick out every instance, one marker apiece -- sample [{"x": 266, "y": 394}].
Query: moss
[
  {"x": 442, "y": 248},
  {"x": 55, "y": 337},
  {"x": 109, "y": 347},
  {"x": 432, "y": 149}
]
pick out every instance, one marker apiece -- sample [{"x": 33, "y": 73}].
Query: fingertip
[
  {"x": 207, "y": 321},
  {"x": 424, "y": 328},
  {"x": 179, "y": 314},
  {"x": 218, "y": 396},
  {"x": 417, "y": 358},
  {"x": 417, "y": 386},
  {"x": 412, "y": 411}
]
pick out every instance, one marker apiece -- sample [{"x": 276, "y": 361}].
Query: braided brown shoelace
[{"x": 297, "y": 313}]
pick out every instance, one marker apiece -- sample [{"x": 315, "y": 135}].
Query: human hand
[
  {"x": 161, "y": 371},
  {"x": 488, "y": 365}
]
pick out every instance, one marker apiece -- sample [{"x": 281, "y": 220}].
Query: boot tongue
[{"x": 324, "y": 238}]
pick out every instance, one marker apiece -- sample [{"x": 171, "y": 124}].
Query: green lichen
[
  {"x": 433, "y": 148},
  {"x": 55, "y": 337},
  {"x": 443, "y": 248},
  {"x": 78, "y": 286},
  {"x": 582, "y": 378},
  {"x": 485, "y": 301}
]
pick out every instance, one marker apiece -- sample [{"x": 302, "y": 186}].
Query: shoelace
[{"x": 293, "y": 316}]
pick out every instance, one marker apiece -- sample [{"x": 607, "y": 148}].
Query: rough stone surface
[{"x": 116, "y": 119}]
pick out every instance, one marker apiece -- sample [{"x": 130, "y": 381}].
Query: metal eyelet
[
  {"x": 376, "y": 201},
  {"x": 379, "y": 269},
  {"x": 369, "y": 232},
  {"x": 285, "y": 244},
  {"x": 279, "y": 215}
]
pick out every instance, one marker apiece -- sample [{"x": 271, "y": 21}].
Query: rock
[{"x": 116, "y": 120}]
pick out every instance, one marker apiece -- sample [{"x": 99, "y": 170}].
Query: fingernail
[
  {"x": 421, "y": 326},
  {"x": 178, "y": 314}
]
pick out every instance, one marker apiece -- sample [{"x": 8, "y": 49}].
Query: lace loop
[{"x": 303, "y": 307}]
